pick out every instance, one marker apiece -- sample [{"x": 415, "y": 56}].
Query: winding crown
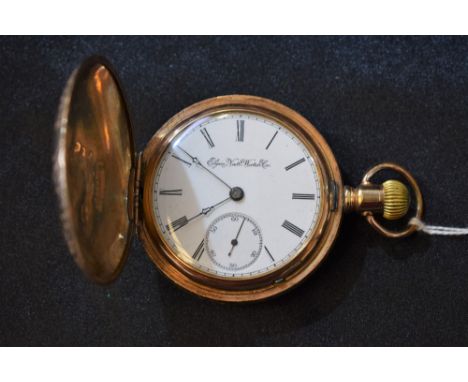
[{"x": 396, "y": 199}]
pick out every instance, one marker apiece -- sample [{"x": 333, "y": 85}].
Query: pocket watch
[{"x": 236, "y": 198}]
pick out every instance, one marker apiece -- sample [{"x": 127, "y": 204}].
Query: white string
[{"x": 437, "y": 230}]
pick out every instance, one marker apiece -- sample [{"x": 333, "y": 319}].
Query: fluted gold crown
[{"x": 396, "y": 199}]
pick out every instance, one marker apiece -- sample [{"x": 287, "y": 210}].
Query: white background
[
  {"x": 233, "y": 364},
  {"x": 236, "y": 17}
]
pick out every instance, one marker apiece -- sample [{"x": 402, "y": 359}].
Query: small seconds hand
[{"x": 234, "y": 241}]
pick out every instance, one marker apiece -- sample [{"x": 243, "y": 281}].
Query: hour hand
[
  {"x": 207, "y": 210},
  {"x": 183, "y": 221}
]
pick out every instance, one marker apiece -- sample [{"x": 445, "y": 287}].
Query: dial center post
[{"x": 236, "y": 193}]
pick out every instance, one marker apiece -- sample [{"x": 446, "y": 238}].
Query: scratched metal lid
[{"x": 93, "y": 164}]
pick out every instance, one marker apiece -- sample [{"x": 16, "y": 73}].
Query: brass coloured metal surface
[
  {"x": 396, "y": 199},
  {"x": 92, "y": 166},
  {"x": 410, "y": 228}
]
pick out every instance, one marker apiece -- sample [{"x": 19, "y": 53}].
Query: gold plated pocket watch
[{"x": 235, "y": 198}]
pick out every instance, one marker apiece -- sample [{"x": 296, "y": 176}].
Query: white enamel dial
[{"x": 230, "y": 168}]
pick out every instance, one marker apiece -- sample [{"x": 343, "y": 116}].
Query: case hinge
[{"x": 135, "y": 192}]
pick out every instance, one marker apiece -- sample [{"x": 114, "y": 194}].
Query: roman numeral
[
  {"x": 171, "y": 192},
  {"x": 240, "y": 131},
  {"x": 177, "y": 224},
  {"x": 269, "y": 254},
  {"x": 207, "y": 137},
  {"x": 303, "y": 196},
  {"x": 199, "y": 251},
  {"x": 287, "y": 168},
  {"x": 292, "y": 228},
  {"x": 182, "y": 160},
  {"x": 271, "y": 140}
]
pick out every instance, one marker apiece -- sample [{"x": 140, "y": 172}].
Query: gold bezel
[{"x": 278, "y": 280}]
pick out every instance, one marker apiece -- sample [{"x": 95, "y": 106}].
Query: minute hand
[{"x": 198, "y": 163}]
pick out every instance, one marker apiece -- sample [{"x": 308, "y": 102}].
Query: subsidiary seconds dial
[{"x": 233, "y": 241}]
